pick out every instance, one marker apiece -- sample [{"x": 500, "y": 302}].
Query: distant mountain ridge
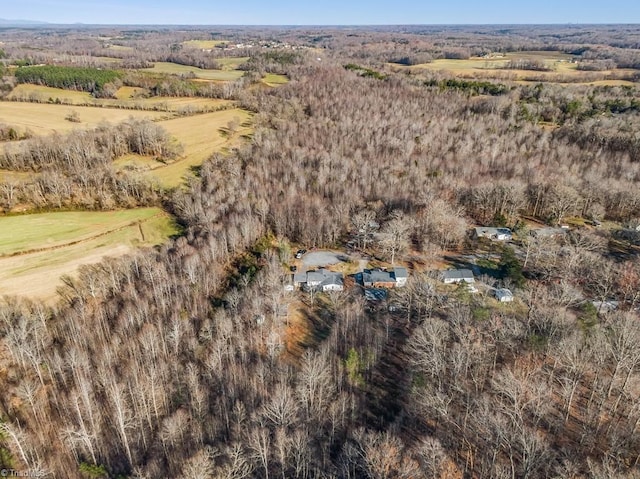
[{"x": 4, "y": 21}]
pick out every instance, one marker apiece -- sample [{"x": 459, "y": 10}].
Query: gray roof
[
  {"x": 300, "y": 277},
  {"x": 503, "y": 293},
  {"x": 377, "y": 276},
  {"x": 457, "y": 274},
  {"x": 323, "y": 277},
  {"x": 315, "y": 276},
  {"x": 333, "y": 278},
  {"x": 400, "y": 273}
]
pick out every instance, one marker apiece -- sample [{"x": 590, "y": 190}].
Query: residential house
[
  {"x": 320, "y": 280},
  {"x": 401, "y": 275},
  {"x": 453, "y": 276},
  {"x": 379, "y": 278},
  {"x": 495, "y": 234},
  {"x": 503, "y": 295}
]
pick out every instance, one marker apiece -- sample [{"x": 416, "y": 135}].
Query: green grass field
[
  {"x": 51, "y": 230},
  {"x": 211, "y": 75},
  {"x": 273, "y": 79},
  {"x": 201, "y": 136},
  {"x": 36, "y": 250}
]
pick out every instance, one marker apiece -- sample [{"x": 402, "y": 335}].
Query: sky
[{"x": 325, "y": 12}]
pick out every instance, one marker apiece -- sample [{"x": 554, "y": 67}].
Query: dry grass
[
  {"x": 128, "y": 92},
  {"x": 272, "y": 79},
  {"x": 561, "y": 68},
  {"x": 45, "y": 118},
  {"x": 231, "y": 63},
  {"x": 43, "y": 93},
  {"x": 126, "y": 97},
  {"x": 9, "y": 176},
  {"x": 201, "y": 136},
  {"x": 211, "y": 75},
  {"x": 49, "y": 245},
  {"x": 204, "y": 44}
]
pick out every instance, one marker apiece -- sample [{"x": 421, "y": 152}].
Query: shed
[{"x": 503, "y": 295}]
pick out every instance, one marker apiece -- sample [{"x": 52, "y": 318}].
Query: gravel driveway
[{"x": 322, "y": 258}]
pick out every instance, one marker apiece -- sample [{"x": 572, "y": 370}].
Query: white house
[
  {"x": 452, "y": 276},
  {"x": 400, "y": 275},
  {"x": 320, "y": 280}
]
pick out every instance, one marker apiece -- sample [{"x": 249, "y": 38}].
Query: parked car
[{"x": 300, "y": 253}]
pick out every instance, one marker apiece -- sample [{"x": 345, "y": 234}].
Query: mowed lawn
[
  {"x": 201, "y": 136},
  {"x": 175, "y": 69},
  {"x": 45, "y": 118},
  {"x": 36, "y": 250}
]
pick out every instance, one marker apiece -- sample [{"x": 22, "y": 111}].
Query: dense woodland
[{"x": 187, "y": 360}]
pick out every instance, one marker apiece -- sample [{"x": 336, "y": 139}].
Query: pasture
[
  {"x": 201, "y": 136},
  {"x": 199, "y": 73},
  {"x": 273, "y": 79},
  {"x": 204, "y": 44},
  {"x": 231, "y": 63},
  {"x": 126, "y": 97},
  {"x": 47, "y": 118},
  {"x": 36, "y": 250},
  {"x": 560, "y": 65}
]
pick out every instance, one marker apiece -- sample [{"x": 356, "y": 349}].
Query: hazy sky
[{"x": 327, "y": 12}]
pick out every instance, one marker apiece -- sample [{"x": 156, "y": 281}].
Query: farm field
[
  {"x": 231, "y": 62},
  {"x": 201, "y": 136},
  {"x": 204, "y": 43},
  {"x": 35, "y": 249},
  {"x": 125, "y": 99},
  {"x": 212, "y": 75},
  {"x": 559, "y": 63},
  {"x": 273, "y": 79},
  {"x": 45, "y": 118}
]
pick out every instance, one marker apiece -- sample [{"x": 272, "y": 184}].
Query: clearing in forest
[
  {"x": 46, "y": 118},
  {"x": 37, "y": 249},
  {"x": 560, "y": 67},
  {"x": 201, "y": 136},
  {"x": 204, "y": 44},
  {"x": 199, "y": 73},
  {"x": 273, "y": 79}
]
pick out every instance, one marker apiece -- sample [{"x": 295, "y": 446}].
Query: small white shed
[{"x": 503, "y": 295}]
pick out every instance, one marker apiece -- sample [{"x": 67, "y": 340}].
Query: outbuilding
[{"x": 503, "y": 295}]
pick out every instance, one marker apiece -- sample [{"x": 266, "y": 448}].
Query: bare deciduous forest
[{"x": 192, "y": 360}]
